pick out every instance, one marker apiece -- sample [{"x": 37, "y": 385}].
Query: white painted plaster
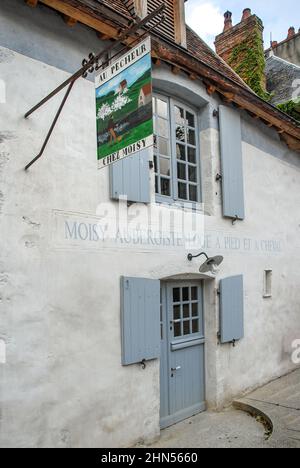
[{"x": 63, "y": 384}]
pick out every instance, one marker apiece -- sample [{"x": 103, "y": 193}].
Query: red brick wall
[{"x": 228, "y": 40}]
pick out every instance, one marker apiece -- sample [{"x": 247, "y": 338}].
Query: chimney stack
[
  {"x": 228, "y": 21},
  {"x": 246, "y": 14},
  {"x": 242, "y": 47},
  {"x": 291, "y": 32}
]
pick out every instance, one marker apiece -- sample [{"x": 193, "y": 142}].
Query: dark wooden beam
[
  {"x": 70, "y": 21},
  {"x": 32, "y": 3},
  {"x": 210, "y": 89},
  {"x": 175, "y": 70},
  {"x": 156, "y": 61},
  {"x": 83, "y": 15}
]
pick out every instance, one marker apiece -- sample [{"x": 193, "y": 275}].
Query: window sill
[{"x": 187, "y": 206}]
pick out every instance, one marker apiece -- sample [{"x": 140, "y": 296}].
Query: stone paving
[
  {"x": 278, "y": 401},
  {"x": 227, "y": 429}
]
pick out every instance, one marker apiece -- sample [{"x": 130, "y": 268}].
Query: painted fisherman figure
[{"x": 113, "y": 136}]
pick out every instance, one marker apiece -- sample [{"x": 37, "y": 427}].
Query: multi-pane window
[
  {"x": 176, "y": 151},
  {"x": 162, "y": 147},
  {"x": 187, "y": 311}
]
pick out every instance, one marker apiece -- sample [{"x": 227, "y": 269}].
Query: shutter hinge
[
  {"x": 219, "y": 177},
  {"x": 235, "y": 220}
]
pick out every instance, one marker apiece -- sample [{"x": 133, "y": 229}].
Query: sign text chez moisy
[{"x": 124, "y": 106}]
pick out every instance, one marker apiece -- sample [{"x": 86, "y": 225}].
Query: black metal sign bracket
[{"x": 93, "y": 64}]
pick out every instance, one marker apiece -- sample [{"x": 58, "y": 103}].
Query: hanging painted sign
[{"x": 124, "y": 106}]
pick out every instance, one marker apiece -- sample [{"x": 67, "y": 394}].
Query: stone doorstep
[{"x": 281, "y": 436}]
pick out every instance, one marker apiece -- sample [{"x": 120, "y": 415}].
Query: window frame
[{"x": 174, "y": 198}]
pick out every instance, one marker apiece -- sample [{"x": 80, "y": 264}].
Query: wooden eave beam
[
  {"x": 72, "y": 9},
  {"x": 292, "y": 142},
  {"x": 70, "y": 21},
  {"x": 32, "y": 3}
]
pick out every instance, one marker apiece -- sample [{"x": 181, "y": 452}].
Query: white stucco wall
[{"x": 63, "y": 383}]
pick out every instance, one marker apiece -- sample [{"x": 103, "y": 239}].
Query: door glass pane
[
  {"x": 176, "y": 294},
  {"x": 176, "y": 312},
  {"x": 186, "y": 328},
  {"x": 195, "y": 326},
  {"x": 186, "y": 311},
  {"x": 195, "y": 310},
  {"x": 185, "y": 294},
  {"x": 177, "y": 330},
  {"x": 194, "y": 293}
]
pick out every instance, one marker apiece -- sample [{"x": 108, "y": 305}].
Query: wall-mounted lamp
[{"x": 211, "y": 263}]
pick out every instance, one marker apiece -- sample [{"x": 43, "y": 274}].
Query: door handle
[{"x": 175, "y": 368}]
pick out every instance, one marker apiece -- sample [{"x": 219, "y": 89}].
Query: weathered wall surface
[
  {"x": 42, "y": 34},
  {"x": 289, "y": 50},
  {"x": 63, "y": 384}
]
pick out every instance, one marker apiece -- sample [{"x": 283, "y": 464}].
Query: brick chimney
[
  {"x": 246, "y": 14},
  {"x": 227, "y": 21},
  {"x": 291, "y": 32},
  {"x": 241, "y": 46},
  {"x": 232, "y": 36}
]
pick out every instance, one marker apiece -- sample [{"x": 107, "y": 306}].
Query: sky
[
  {"x": 131, "y": 75},
  {"x": 206, "y": 17}
]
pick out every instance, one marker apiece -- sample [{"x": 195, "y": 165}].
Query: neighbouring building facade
[
  {"x": 288, "y": 49},
  {"x": 106, "y": 339},
  {"x": 273, "y": 74}
]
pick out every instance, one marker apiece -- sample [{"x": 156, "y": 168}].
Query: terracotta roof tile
[{"x": 205, "y": 54}]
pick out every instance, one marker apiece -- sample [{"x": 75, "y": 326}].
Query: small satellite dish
[{"x": 211, "y": 264}]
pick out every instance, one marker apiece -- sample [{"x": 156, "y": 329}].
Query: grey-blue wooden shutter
[
  {"x": 232, "y": 163},
  {"x": 140, "y": 319},
  {"x": 131, "y": 177},
  {"x": 232, "y": 309}
]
